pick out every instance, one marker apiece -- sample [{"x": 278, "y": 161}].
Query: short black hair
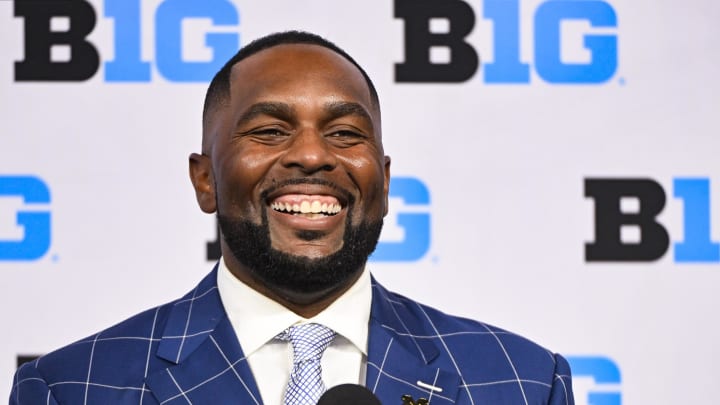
[{"x": 218, "y": 91}]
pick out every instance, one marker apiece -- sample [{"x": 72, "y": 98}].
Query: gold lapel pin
[{"x": 408, "y": 400}]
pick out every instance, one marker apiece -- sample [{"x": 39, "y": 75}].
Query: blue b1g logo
[
  {"x": 36, "y": 224},
  {"x": 605, "y": 379},
  {"x": 415, "y": 225}
]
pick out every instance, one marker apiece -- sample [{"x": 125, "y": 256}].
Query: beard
[{"x": 279, "y": 271}]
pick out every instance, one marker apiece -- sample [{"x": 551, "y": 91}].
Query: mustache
[{"x": 307, "y": 180}]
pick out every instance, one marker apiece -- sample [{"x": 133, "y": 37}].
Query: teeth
[{"x": 307, "y": 207}]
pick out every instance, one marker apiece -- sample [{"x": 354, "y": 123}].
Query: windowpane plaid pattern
[
  {"x": 187, "y": 353},
  {"x": 309, "y": 341}
]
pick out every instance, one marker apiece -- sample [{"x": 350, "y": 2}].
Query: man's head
[
  {"x": 218, "y": 92},
  {"x": 294, "y": 166}
]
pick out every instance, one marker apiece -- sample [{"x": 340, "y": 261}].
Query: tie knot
[{"x": 308, "y": 340}]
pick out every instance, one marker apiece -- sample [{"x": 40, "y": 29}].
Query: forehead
[{"x": 299, "y": 69}]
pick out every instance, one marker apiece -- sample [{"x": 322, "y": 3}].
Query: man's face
[{"x": 297, "y": 155}]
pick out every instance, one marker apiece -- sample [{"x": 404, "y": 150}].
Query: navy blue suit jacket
[{"x": 186, "y": 352}]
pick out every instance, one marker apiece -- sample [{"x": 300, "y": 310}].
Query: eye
[
  {"x": 268, "y": 135},
  {"x": 344, "y": 138},
  {"x": 268, "y": 132},
  {"x": 344, "y": 133}
]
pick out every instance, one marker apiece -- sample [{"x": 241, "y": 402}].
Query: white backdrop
[{"x": 504, "y": 165}]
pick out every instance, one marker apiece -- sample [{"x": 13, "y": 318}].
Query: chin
[{"x": 304, "y": 275}]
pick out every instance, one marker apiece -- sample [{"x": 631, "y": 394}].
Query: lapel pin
[{"x": 408, "y": 400}]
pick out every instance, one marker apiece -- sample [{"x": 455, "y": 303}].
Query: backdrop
[{"x": 557, "y": 160}]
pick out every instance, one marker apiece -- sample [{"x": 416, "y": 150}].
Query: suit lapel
[
  {"x": 400, "y": 362},
  {"x": 210, "y": 366}
]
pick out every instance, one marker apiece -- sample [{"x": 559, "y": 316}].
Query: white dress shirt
[{"x": 257, "y": 319}]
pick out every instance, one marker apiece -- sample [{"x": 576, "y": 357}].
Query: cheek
[
  {"x": 239, "y": 177},
  {"x": 370, "y": 177}
]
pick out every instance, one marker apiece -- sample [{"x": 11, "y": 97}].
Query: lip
[
  {"x": 309, "y": 189},
  {"x": 300, "y": 222}
]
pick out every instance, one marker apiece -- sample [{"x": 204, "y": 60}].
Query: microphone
[{"x": 348, "y": 394}]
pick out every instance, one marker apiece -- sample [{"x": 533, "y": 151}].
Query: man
[{"x": 293, "y": 165}]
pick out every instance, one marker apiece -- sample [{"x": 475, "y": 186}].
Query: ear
[
  {"x": 386, "y": 185},
  {"x": 201, "y": 176}
]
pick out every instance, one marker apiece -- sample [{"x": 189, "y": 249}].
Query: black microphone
[{"x": 348, "y": 394}]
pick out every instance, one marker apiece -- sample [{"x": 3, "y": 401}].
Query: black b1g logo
[{"x": 649, "y": 198}]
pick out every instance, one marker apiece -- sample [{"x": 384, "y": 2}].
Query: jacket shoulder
[
  {"x": 487, "y": 358},
  {"x": 118, "y": 357},
  {"x": 430, "y": 323},
  {"x": 111, "y": 366}
]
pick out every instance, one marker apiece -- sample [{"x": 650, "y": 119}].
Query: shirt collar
[{"x": 257, "y": 319}]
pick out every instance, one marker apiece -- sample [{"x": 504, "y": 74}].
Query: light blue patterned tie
[{"x": 309, "y": 341}]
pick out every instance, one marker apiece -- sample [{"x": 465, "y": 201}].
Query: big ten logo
[
  {"x": 191, "y": 39},
  {"x": 627, "y": 227},
  {"x": 25, "y": 232},
  {"x": 573, "y": 41},
  {"x": 596, "y": 380},
  {"x": 406, "y": 232}
]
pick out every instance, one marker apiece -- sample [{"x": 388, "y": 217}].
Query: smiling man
[{"x": 292, "y": 164}]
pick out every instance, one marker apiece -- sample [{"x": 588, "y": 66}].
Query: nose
[{"x": 309, "y": 151}]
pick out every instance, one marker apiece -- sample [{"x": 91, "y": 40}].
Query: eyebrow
[
  {"x": 273, "y": 109},
  {"x": 337, "y": 109},
  {"x": 283, "y": 111}
]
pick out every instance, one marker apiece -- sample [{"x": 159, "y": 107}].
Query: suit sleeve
[
  {"x": 561, "y": 392},
  {"x": 30, "y": 388}
]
